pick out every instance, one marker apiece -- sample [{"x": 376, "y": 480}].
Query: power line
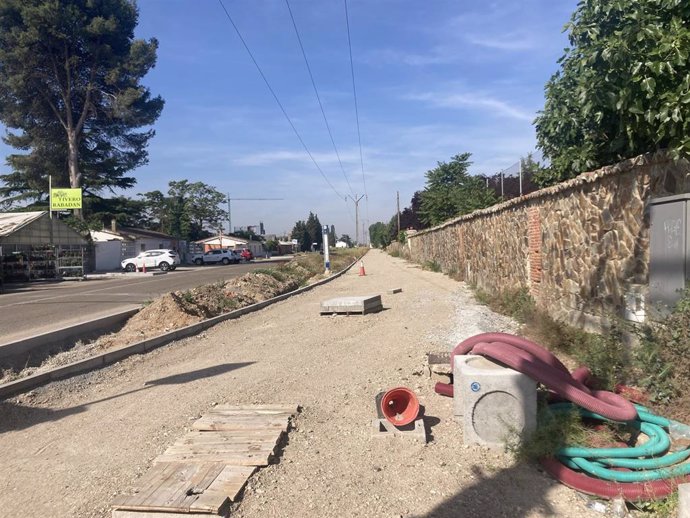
[
  {"x": 354, "y": 92},
  {"x": 280, "y": 105},
  {"x": 318, "y": 97}
]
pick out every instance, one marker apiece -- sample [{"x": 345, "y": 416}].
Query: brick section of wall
[
  {"x": 534, "y": 254},
  {"x": 580, "y": 246}
]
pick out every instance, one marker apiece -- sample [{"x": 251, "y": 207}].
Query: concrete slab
[
  {"x": 393, "y": 291},
  {"x": 383, "y": 429},
  {"x": 684, "y": 501},
  {"x": 349, "y": 305}
]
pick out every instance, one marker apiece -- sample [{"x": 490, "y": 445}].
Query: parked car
[
  {"x": 164, "y": 259},
  {"x": 246, "y": 254},
  {"x": 217, "y": 256}
]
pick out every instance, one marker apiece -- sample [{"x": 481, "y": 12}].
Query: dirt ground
[{"x": 68, "y": 448}]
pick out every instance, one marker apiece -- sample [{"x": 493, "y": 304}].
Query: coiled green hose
[{"x": 649, "y": 461}]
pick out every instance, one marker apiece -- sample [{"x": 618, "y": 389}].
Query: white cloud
[
  {"x": 476, "y": 101},
  {"x": 511, "y": 42}
]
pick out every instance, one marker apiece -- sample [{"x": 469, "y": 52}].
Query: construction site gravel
[{"x": 68, "y": 448}]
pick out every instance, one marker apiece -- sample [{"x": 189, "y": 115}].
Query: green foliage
[
  {"x": 190, "y": 211},
  {"x": 664, "y": 356},
  {"x": 432, "y": 266},
  {"x": 554, "y": 431},
  {"x": 450, "y": 191},
  {"x": 663, "y": 508},
  {"x": 605, "y": 355},
  {"x": 273, "y": 272},
  {"x": 299, "y": 232},
  {"x": 379, "y": 235},
  {"x": 332, "y": 238},
  {"x": 71, "y": 96},
  {"x": 315, "y": 231},
  {"x": 623, "y": 88},
  {"x": 345, "y": 238}
]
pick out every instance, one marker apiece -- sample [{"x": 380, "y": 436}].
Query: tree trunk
[{"x": 73, "y": 165}]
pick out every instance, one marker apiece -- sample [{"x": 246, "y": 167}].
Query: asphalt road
[{"x": 38, "y": 308}]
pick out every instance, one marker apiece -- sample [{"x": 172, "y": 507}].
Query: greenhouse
[{"x": 33, "y": 246}]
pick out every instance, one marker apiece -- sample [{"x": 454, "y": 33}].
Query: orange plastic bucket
[{"x": 400, "y": 406}]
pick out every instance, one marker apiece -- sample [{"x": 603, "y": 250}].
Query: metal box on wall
[{"x": 669, "y": 257}]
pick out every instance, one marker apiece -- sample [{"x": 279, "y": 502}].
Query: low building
[
  {"x": 118, "y": 243},
  {"x": 230, "y": 242},
  {"x": 34, "y": 246}
]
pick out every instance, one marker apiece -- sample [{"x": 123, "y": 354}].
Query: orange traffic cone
[{"x": 362, "y": 273}]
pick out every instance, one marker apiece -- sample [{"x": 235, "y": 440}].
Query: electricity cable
[
  {"x": 280, "y": 105},
  {"x": 318, "y": 97},
  {"x": 354, "y": 92}
]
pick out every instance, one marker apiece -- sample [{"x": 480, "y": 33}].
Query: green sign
[{"x": 65, "y": 199}]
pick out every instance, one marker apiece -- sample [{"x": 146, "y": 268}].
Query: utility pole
[
  {"x": 520, "y": 176},
  {"x": 243, "y": 199},
  {"x": 398, "y": 192},
  {"x": 356, "y": 200}
]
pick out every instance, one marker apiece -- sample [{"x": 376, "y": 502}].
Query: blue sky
[{"x": 434, "y": 78}]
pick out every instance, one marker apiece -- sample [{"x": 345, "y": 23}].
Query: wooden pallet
[{"x": 205, "y": 470}]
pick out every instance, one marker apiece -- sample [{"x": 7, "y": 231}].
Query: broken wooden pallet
[{"x": 205, "y": 470}]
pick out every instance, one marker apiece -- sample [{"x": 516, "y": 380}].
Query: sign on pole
[{"x": 61, "y": 199}]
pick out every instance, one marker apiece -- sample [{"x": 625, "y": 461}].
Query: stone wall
[{"x": 581, "y": 247}]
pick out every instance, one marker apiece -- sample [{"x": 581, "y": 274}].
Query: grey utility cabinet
[{"x": 669, "y": 256}]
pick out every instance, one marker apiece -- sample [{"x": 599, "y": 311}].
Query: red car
[{"x": 246, "y": 254}]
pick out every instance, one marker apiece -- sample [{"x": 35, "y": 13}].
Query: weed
[
  {"x": 431, "y": 266},
  {"x": 665, "y": 508},
  {"x": 554, "y": 431},
  {"x": 273, "y": 272},
  {"x": 188, "y": 296}
]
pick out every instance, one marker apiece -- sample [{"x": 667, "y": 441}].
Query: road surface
[{"x": 38, "y": 308}]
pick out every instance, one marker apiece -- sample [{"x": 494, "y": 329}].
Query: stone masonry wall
[{"x": 581, "y": 247}]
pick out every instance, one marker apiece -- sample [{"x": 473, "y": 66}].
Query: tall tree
[
  {"x": 70, "y": 90},
  {"x": 190, "y": 211},
  {"x": 379, "y": 235},
  {"x": 332, "y": 238},
  {"x": 623, "y": 88},
  {"x": 314, "y": 230},
  {"x": 450, "y": 191},
  {"x": 299, "y": 232}
]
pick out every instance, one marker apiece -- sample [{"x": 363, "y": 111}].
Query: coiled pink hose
[{"x": 542, "y": 366}]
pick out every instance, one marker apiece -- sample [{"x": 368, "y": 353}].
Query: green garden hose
[{"x": 643, "y": 463}]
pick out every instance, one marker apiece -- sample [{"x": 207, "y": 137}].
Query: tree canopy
[
  {"x": 623, "y": 88},
  {"x": 450, "y": 191},
  {"x": 189, "y": 211},
  {"x": 70, "y": 94}
]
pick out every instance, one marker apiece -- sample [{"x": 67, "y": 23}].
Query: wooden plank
[
  {"x": 200, "y": 481},
  {"x": 229, "y": 482},
  {"x": 221, "y": 448},
  {"x": 120, "y": 513},
  {"x": 257, "y": 408},
  {"x": 176, "y": 493},
  {"x": 229, "y": 436},
  {"x": 216, "y": 423},
  {"x": 147, "y": 486},
  {"x": 236, "y": 458}
]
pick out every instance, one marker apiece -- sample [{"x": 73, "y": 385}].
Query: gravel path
[{"x": 68, "y": 448}]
